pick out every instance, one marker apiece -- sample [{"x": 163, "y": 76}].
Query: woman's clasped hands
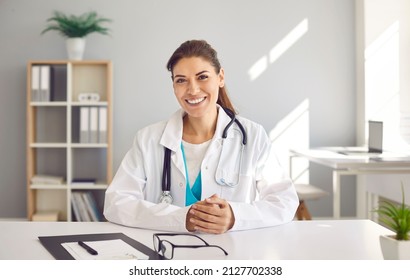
[{"x": 212, "y": 215}]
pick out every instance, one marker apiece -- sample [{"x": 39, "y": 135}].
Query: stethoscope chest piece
[{"x": 166, "y": 197}]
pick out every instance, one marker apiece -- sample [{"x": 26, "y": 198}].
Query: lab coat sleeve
[
  {"x": 126, "y": 202},
  {"x": 277, "y": 201}
]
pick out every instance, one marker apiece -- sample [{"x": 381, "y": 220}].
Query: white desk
[
  {"x": 353, "y": 165},
  {"x": 298, "y": 240}
]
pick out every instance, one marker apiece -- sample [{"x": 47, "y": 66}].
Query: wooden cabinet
[{"x": 65, "y": 101}]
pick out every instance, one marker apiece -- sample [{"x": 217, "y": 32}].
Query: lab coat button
[{"x": 180, "y": 184}]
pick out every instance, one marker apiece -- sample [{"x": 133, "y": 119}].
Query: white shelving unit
[{"x": 53, "y": 135}]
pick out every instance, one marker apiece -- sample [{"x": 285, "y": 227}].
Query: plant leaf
[
  {"x": 77, "y": 26},
  {"x": 396, "y": 217}
]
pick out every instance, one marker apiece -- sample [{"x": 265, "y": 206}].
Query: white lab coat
[{"x": 265, "y": 196}]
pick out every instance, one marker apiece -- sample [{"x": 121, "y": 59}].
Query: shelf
[
  {"x": 97, "y": 186},
  {"x": 91, "y": 145},
  {"x": 48, "y": 145},
  {"x": 48, "y": 103},
  {"x": 48, "y": 187},
  {"x": 55, "y": 126},
  {"x": 62, "y": 104},
  {"x": 99, "y": 103},
  {"x": 88, "y": 186}
]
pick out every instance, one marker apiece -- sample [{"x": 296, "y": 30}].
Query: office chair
[{"x": 307, "y": 192}]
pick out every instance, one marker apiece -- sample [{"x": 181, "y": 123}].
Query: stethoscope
[{"x": 166, "y": 172}]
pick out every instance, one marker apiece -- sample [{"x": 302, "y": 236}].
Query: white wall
[
  {"x": 384, "y": 63},
  {"x": 319, "y": 67}
]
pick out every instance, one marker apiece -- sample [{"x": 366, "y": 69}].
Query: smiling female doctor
[{"x": 205, "y": 169}]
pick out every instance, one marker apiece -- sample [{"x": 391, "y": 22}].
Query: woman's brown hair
[{"x": 200, "y": 48}]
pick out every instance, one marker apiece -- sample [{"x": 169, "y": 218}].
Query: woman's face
[{"x": 196, "y": 86}]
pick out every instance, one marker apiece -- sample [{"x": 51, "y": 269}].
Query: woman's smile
[{"x": 195, "y": 101}]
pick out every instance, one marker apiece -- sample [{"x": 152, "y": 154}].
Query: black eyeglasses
[{"x": 166, "y": 248}]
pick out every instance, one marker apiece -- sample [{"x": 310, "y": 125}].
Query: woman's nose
[{"x": 193, "y": 88}]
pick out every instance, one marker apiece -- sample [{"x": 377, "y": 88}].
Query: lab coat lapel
[
  {"x": 223, "y": 120},
  {"x": 172, "y": 135},
  {"x": 171, "y": 138}
]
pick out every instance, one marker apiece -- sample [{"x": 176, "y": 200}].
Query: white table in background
[{"x": 343, "y": 165}]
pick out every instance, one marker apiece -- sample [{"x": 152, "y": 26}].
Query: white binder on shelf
[
  {"x": 45, "y": 83},
  {"x": 102, "y": 125},
  {"x": 84, "y": 124},
  {"x": 93, "y": 124},
  {"x": 35, "y": 83}
]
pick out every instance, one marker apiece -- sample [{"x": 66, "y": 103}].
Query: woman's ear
[{"x": 221, "y": 76}]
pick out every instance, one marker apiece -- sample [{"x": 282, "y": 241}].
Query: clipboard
[{"x": 53, "y": 244}]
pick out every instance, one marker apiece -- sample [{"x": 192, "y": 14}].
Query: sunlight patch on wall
[
  {"x": 258, "y": 68},
  {"x": 292, "y": 132},
  {"x": 382, "y": 79},
  {"x": 261, "y": 65}
]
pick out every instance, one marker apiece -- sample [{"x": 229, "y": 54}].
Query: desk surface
[
  {"x": 300, "y": 240},
  {"x": 329, "y": 156}
]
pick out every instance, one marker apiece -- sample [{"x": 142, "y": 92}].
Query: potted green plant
[
  {"x": 397, "y": 218},
  {"x": 75, "y": 29}
]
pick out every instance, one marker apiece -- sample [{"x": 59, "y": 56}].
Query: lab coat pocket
[
  {"x": 228, "y": 171},
  {"x": 243, "y": 192}
]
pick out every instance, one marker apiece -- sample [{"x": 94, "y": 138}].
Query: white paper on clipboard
[{"x": 115, "y": 249}]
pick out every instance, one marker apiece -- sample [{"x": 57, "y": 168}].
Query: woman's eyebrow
[
  {"x": 202, "y": 72},
  {"x": 197, "y": 74}
]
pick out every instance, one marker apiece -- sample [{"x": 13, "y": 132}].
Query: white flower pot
[
  {"x": 393, "y": 249},
  {"x": 75, "y": 48}
]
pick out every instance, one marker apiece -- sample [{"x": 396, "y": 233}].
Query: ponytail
[{"x": 224, "y": 101}]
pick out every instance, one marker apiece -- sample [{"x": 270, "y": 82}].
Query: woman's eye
[
  {"x": 179, "y": 81},
  {"x": 203, "y": 77}
]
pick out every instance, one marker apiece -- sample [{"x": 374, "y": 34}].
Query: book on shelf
[
  {"x": 76, "y": 209},
  {"x": 45, "y": 216},
  {"x": 83, "y": 181},
  {"x": 85, "y": 207},
  {"x": 91, "y": 206},
  {"x": 39, "y": 179},
  {"x": 83, "y": 215}
]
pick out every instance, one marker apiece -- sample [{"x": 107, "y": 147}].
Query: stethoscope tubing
[{"x": 166, "y": 172}]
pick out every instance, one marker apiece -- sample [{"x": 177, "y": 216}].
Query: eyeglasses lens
[
  {"x": 156, "y": 243},
  {"x": 163, "y": 247},
  {"x": 166, "y": 249}
]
